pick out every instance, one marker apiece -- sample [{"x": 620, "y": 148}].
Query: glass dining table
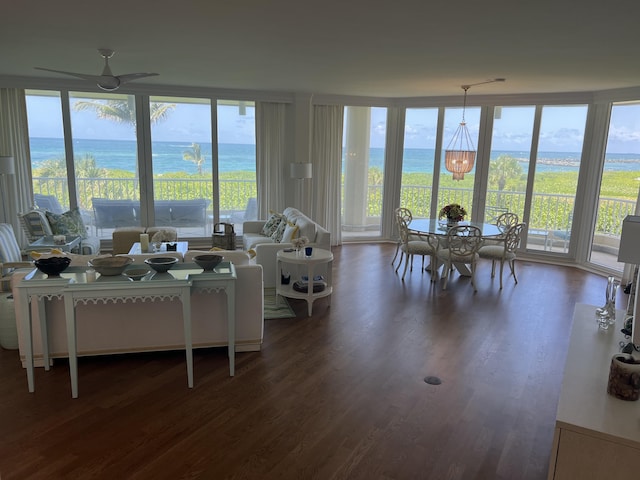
[{"x": 434, "y": 226}]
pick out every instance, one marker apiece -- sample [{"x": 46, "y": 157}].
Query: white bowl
[{"x": 110, "y": 266}]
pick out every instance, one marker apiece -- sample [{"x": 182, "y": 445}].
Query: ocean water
[{"x": 168, "y": 156}]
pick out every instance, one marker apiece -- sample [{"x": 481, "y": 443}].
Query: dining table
[{"x": 440, "y": 228}]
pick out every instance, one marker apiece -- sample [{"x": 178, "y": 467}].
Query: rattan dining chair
[
  {"x": 503, "y": 252},
  {"x": 413, "y": 244},
  {"x": 462, "y": 245},
  {"x": 405, "y": 214}
]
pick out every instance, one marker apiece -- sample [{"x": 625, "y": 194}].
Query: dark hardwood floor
[{"x": 340, "y": 395}]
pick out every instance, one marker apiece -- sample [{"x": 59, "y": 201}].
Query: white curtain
[
  {"x": 14, "y": 141},
  {"x": 271, "y": 152},
  {"x": 326, "y": 156},
  {"x": 392, "y": 169}
]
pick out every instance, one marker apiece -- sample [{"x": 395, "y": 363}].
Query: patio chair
[
  {"x": 463, "y": 243},
  {"x": 504, "y": 252},
  {"x": 48, "y": 203}
]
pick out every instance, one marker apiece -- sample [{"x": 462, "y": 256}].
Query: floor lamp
[
  {"x": 629, "y": 252},
  {"x": 7, "y": 167},
  {"x": 301, "y": 171}
]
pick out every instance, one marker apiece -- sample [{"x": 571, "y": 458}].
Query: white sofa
[
  {"x": 151, "y": 326},
  {"x": 266, "y": 247}
]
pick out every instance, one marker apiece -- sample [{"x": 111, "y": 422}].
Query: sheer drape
[
  {"x": 14, "y": 141},
  {"x": 326, "y": 156},
  {"x": 392, "y": 169},
  {"x": 271, "y": 146}
]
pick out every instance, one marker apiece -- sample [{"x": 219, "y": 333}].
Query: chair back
[
  {"x": 47, "y": 203},
  {"x": 506, "y": 221},
  {"x": 9, "y": 248},
  {"x": 403, "y": 228},
  {"x": 404, "y": 213},
  {"x": 35, "y": 225},
  {"x": 512, "y": 237},
  {"x": 464, "y": 240}
]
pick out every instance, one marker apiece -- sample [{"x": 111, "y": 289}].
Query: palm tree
[
  {"x": 123, "y": 111},
  {"x": 503, "y": 169},
  {"x": 194, "y": 155}
]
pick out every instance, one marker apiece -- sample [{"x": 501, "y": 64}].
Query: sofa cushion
[
  {"x": 306, "y": 228},
  {"x": 67, "y": 223},
  {"x": 290, "y": 232},
  {"x": 272, "y": 224}
]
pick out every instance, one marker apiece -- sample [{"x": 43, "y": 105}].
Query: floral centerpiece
[
  {"x": 162, "y": 236},
  {"x": 452, "y": 212},
  {"x": 299, "y": 242}
]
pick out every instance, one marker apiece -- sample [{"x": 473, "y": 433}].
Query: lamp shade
[
  {"x": 629, "y": 251},
  {"x": 301, "y": 170},
  {"x": 7, "y": 166},
  {"x": 459, "y": 162}
]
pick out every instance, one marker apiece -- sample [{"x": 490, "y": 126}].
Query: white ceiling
[{"x": 404, "y": 48}]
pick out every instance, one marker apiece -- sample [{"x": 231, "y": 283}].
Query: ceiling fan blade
[
  {"x": 134, "y": 76},
  {"x": 91, "y": 78}
]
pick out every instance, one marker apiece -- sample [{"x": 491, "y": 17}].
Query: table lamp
[{"x": 629, "y": 252}]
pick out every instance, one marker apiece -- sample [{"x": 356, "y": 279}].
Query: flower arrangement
[
  {"x": 163, "y": 236},
  {"x": 299, "y": 242},
  {"x": 452, "y": 212}
]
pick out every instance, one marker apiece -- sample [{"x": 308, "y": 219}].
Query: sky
[{"x": 562, "y": 127}]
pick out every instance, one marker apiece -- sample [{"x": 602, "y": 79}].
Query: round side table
[{"x": 295, "y": 287}]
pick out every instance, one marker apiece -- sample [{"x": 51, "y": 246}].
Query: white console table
[
  {"x": 75, "y": 289},
  {"x": 597, "y": 436}
]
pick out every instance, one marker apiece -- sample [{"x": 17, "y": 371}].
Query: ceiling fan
[{"x": 107, "y": 80}]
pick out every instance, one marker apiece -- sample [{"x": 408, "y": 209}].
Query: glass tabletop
[{"x": 439, "y": 227}]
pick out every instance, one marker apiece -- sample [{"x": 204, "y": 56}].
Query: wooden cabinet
[{"x": 597, "y": 436}]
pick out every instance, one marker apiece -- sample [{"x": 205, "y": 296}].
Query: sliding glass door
[{"x": 619, "y": 185}]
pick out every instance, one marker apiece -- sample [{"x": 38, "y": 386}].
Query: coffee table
[{"x": 45, "y": 243}]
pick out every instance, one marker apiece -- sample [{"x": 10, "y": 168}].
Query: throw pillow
[
  {"x": 276, "y": 236},
  {"x": 67, "y": 223},
  {"x": 272, "y": 224},
  {"x": 290, "y": 232}
]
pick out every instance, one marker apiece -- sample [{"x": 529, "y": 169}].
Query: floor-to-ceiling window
[
  {"x": 418, "y": 159},
  {"x": 362, "y": 170},
  {"x": 46, "y": 143},
  {"x": 619, "y": 185},
  {"x": 182, "y": 164},
  {"x": 509, "y": 161},
  {"x": 103, "y": 129},
  {"x": 459, "y": 190},
  {"x": 238, "y": 190},
  {"x": 557, "y": 164}
]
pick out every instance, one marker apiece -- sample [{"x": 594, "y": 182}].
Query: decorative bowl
[
  {"x": 110, "y": 266},
  {"x": 52, "y": 266},
  {"x": 136, "y": 273},
  {"x": 207, "y": 262},
  {"x": 161, "y": 264}
]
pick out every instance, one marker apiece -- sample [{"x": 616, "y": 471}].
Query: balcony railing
[{"x": 549, "y": 212}]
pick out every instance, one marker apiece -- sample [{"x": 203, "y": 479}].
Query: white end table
[{"x": 319, "y": 257}]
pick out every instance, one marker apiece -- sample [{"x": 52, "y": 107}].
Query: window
[
  {"x": 418, "y": 160},
  {"x": 619, "y": 185},
  {"x": 46, "y": 142},
  {"x": 556, "y": 177},
  {"x": 182, "y": 165},
  {"x": 237, "y": 162},
  {"x": 363, "y": 170}
]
